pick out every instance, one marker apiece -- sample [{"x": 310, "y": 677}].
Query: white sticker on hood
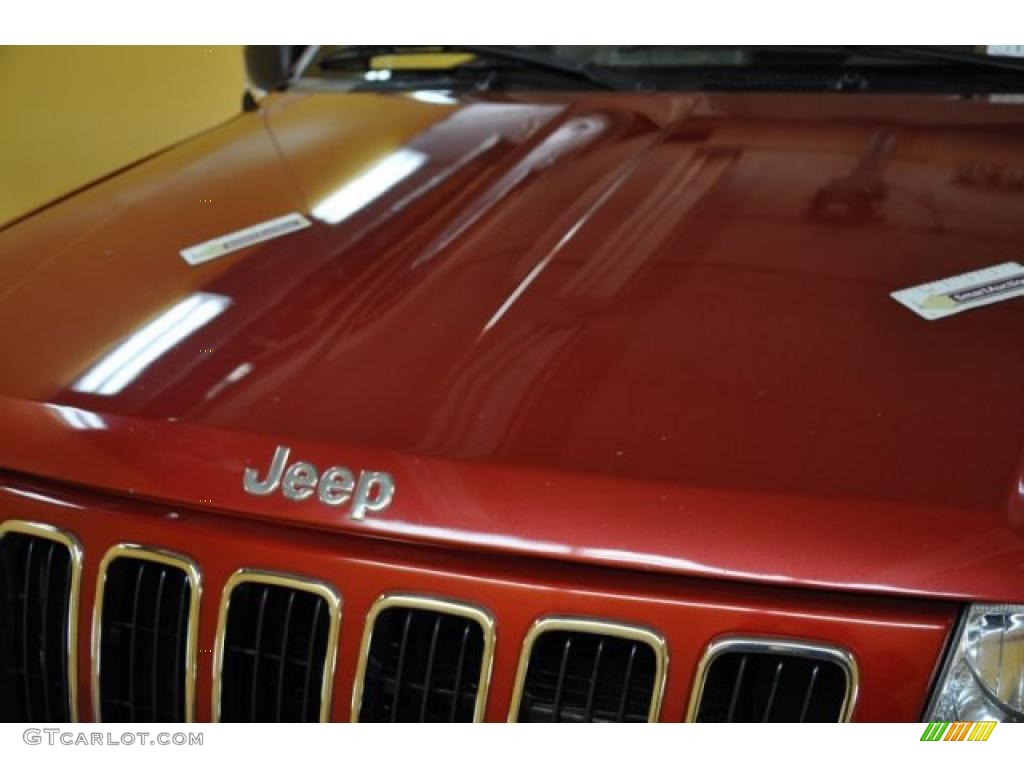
[
  {"x": 962, "y": 292},
  {"x": 243, "y": 238}
]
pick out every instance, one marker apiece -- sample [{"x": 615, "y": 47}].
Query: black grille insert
[
  {"x": 768, "y": 682},
  {"x": 579, "y": 676},
  {"x": 146, "y": 659},
  {"x": 279, "y": 637},
  {"x": 424, "y": 662},
  {"x": 38, "y": 578}
]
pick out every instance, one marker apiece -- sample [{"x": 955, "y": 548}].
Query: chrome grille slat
[
  {"x": 133, "y": 633},
  {"x": 459, "y": 670},
  {"x": 428, "y": 673},
  {"x": 256, "y": 654},
  {"x": 43, "y": 634},
  {"x": 402, "y": 649},
  {"x": 311, "y": 647},
  {"x": 155, "y": 652},
  {"x": 594, "y": 676},
  {"x": 627, "y": 680},
  {"x": 737, "y": 687},
  {"x": 556, "y": 706},
  {"x": 810, "y": 692},
  {"x": 283, "y": 655},
  {"x": 773, "y": 692}
]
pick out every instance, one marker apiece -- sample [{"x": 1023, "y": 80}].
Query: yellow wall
[{"x": 72, "y": 114}]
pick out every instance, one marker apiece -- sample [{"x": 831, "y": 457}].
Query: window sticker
[
  {"x": 952, "y": 295},
  {"x": 243, "y": 238}
]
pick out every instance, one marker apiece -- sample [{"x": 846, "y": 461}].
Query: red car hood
[{"x": 643, "y": 331}]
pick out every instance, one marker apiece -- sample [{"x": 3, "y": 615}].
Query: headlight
[{"x": 984, "y": 679}]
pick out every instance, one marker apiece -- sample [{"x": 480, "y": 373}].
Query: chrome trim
[
  {"x": 436, "y": 605},
  {"x": 808, "y": 649},
  {"x": 594, "y": 627},
  {"x": 70, "y": 542},
  {"x": 163, "y": 557},
  {"x": 288, "y": 581}
]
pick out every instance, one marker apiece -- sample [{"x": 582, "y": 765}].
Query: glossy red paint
[
  {"x": 641, "y": 331},
  {"x": 896, "y": 642},
  {"x": 639, "y": 348}
]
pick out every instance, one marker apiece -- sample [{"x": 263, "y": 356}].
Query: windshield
[{"x": 652, "y": 68}]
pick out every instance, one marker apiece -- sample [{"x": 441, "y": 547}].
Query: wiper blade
[
  {"x": 554, "y": 64},
  {"x": 843, "y": 54},
  {"x": 531, "y": 59},
  {"x": 943, "y": 56}
]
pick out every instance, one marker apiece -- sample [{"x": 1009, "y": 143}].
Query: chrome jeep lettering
[
  {"x": 300, "y": 481},
  {"x": 374, "y": 492},
  {"x": 371, "y": 491},
  {"x": 336, "y": 486},
  {"x": 257, "y": 487}
]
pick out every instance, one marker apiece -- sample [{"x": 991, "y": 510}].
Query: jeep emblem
[{"x": 372, "y": 492}]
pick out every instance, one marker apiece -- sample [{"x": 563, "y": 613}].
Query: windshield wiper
[
  {"x": 942, "y": 56},
  {"x": 525, "y": 58},
  {"x": 820, "y": 53}
]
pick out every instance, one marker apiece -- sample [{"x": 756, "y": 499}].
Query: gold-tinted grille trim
[
  {"x": 436, "y": 605},
  {"x": 69, "y": 542},
  {"x": 595, "y": 627},
  {"x": 288, "y": 581},
  {"x": 162, "y": 557},
  {"x": 807, "y": 649}
]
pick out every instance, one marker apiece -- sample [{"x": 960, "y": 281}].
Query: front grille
[
  {"x": 744, "y": 680},
  {"x": 277, "y": 639},
  {"x": 577, "y": 670},
  {"x": 144, "y": 636},
  {"x": 423, "y": 660},
  {"x": 40, "y": 568}
]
